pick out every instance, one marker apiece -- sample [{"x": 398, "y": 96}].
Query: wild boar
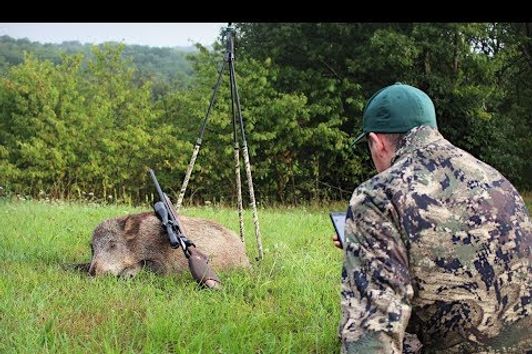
[{"x": 122, "y": 246}]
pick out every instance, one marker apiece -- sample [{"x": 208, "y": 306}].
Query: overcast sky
[{"x": 152, "y": 34}]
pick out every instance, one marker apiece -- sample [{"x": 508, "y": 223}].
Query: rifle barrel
[{"x": 157, "y": 186}]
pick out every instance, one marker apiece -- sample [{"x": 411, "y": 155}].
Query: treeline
[
  {"x": 163, "y": 66},
  {"x": 69, "y": 130}
]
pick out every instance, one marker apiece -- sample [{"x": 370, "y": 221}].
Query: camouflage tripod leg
[
  {"x": 238, "y": 113},
  {"x": 187, "y": 176},
  {"x": 253, "y": 203},
  {"x": 239, "y": 191},
  {"x": 200, "y": 138}
]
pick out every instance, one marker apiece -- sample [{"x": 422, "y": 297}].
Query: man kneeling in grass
[{"x": 438, "y": 244}]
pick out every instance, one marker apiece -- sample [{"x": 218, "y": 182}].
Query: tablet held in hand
[{"x": 338, "y": 220}]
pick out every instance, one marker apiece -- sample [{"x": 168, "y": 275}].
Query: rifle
[{"x": 197, "y": 261}]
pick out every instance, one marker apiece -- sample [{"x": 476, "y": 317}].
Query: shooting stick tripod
[{"x": 237, "y": 120}]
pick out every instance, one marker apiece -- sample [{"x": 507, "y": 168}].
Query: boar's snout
[{"x": 126, "y": 269}]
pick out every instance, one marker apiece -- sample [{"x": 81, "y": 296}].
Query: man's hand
[{"x": 336, "y": 241}]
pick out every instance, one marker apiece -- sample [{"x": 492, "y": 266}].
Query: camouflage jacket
[{"x": 439, "y": 247}]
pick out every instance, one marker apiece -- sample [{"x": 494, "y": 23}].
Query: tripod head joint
[{"x": 228, "y": 35}]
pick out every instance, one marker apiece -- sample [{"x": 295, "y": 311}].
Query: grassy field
[
  {"x": 528, "y": 200},
  {"x": 289, "y": 303}
]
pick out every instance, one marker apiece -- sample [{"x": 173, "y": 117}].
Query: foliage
[
  {"x": 475, "y": 73},
  {"x": 273, "y": 125},
  {"x": 68, "y": 129},
  {"x": 93, "y": 122},
  {"x": 165, "y": 67}
]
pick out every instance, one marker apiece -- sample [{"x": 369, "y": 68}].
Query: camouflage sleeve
[{"x": 376, "y": 285}]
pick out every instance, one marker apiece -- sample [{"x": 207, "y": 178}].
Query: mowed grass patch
[{"x": 288, "y": 302}]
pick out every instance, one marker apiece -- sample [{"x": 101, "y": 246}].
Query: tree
[{"x": 338, "y": 66}]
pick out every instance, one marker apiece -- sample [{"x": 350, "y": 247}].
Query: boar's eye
[{"x": 112, "y": 244}]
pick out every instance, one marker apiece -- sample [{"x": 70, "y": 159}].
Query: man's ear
[{"x": 376, "y": 143}]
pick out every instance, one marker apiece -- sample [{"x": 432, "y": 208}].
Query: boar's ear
[{"x": 131, "y": 226}]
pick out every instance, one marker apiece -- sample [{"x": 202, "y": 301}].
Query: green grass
[
  {"x": 528, "y": 200},
  {"x": 288, "y": 303}
]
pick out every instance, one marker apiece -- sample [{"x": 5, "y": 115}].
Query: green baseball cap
[{"x": 397, "y": 109}]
